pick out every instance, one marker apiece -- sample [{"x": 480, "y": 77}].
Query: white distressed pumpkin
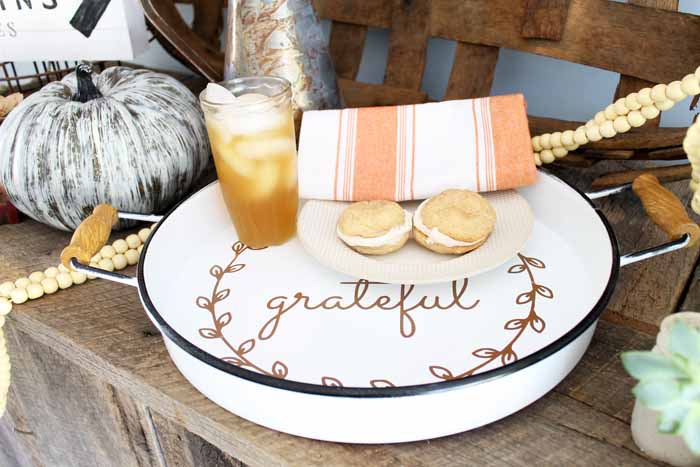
[{"x": 137, "y": 141}]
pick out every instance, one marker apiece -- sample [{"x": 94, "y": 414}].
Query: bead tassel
[{"x": 121, "y": 253}]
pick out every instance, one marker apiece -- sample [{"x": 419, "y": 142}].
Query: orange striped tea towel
[{"x": 415, "y": 151}]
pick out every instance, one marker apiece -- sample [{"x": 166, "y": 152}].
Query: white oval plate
[{"x": 413, "y": 264}]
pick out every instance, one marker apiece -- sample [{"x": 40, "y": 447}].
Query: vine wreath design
[
  {"x": 279, "y": 369},
  {"x": 532, "y": 320}
]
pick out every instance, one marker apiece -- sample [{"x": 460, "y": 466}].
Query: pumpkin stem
[{"x": 87, "y": 90}]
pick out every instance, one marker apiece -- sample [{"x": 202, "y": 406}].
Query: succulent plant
[{"x": 670, "y": 384}]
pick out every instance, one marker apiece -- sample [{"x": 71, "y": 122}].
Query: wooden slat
[
  {"x": 630, "y": 84},
  {"x": 673, "y": 173},
  {"x": 346, "y": 46},
  {"x": 606, "y": 34},
  {"x": 544, "y": 19},
  {"x": 408, "y": 42},
  {"x": 358, "y": 94},
  {"x": 472, "y": 71}
]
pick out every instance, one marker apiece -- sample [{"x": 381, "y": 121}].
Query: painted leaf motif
[
  {"x": 233, "y": 361},
  {"x": 235, "y": 267},
  {"x": 280, "y": 370},
  {"x": 381, "y": 383},
  {"x": 516, "y": 269},
  {"x": 523, "y": 298},
  {"x": 508, "y": 357},
  {"x": 222, "y": 294},
  {"x": 246, "y": 346},
  {"x": 224, "y": 320},
  {"x": 216, "y": 271},
  {"x": 514, "y": 324},
  {"x": 537, "y": 324},
  {"x": 535, "y": 263},
  {"x": 545, "y": 291},
  {"x": 203, "y": 302},
  {"x": 238, "y": 247},
  {"x": 209, "y": 333},
  {"x": 330, "y": 381},
  {"x": 485, "y": 352},
  {"x": 441, "y": 372}
]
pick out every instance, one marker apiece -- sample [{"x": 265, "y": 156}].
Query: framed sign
[{"x": 71, "y": 30}]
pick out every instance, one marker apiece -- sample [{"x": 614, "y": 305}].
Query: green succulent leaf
[
  {"x": 685, "y": 341},
  {"x": 690, "y": 430},
  {"x": 671, "y": 418},
  {"x": 649, "y": 365},
  {"x": 657, "y": 393}
]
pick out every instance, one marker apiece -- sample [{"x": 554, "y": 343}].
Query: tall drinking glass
[{"x": 254, "y": 148}]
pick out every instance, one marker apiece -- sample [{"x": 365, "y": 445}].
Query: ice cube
[
  {"x": 218, "y": 94},
  {"x": 266, "y": 178},
  {"x": 256, "y": 147},
  {"x": 249, "y": 99}
]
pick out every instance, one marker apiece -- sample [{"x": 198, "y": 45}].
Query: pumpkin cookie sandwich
[
  {"x": 374, "y": 227},
  {"x": 453, "y": 222}
]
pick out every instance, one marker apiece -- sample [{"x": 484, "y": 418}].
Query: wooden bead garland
[
  {"x": 118, "y": 255},
  {"x": 625, "y": 113}
]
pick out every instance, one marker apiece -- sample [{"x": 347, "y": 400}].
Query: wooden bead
[
  {"x": 96, "y": 266},
  {"x": 697, "y": 72},
  {"x": 664, "y": 105},
  {"x": 567, "y": 138},
  {"x": 134, "y": 241},
  {"x": 535, "y": 145},
  {"x": 674, "y": 92},
  {"x": 593, "y": 134},
  {"x": 636, "y": 119},
  {"x": 650, "y": 112},
  {"x": 644, "y": 97},
  {"x": 545, "y": 142},
  {"x": 106, "y": 264},
  {"x": 599, "y": 118},
  {"x": 690, "y": 85},
  {"x": 621, "y": 125},
  {"x": 610, "y": 113},
  {"x": 50, "y": 285},
  {"x": 571, "y": 147},
  {"x": 119, "y": 261},
  {"x": 5, "y": 306},
  {"x": 658, "y": 93},
  {"x": 19, "y": 296},
  {"x": 631, "y": 102},
  {"x": 621, "y": 107},
  {"x": 132, "y": 256},
  {"x": 35, "y": 291},
  {"x": 694, "y": 187},
  {"x": 607, "y": 130},
  {"x": 695, "y": 203},
  {"x": 96, "y": 258},
  {"x": 6, "y": 288},
  {"x": 580, "y": 136},
  {"x": 51, "y": 272},
  {"x": 144, "y": 233},
  {"x": 64, "y": 280},
  {"x": 120, "y": 246},
  {"x": 36, "y": 276},
  {"x": 22, "y": 282},
  {"x": 2, "y": 323},
  {"x": 559, "y": 152},
  {"x": 62, "y": 268},
  {"x": 107, "y": 252},
  {"x": 547, "y": 156},
  {"x": 138, "y": 250},
  {"x": 591, "y": 123},
  {"x": 555, "y": 140},
  {"x": 78, "y": 277},
  {"x": 154, "y": 225},
  {"x": 538, "y": 161}
]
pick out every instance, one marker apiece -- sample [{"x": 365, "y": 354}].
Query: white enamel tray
[
  {"x": 414, "y": 264},
  {"x": 280, "y": 340}
]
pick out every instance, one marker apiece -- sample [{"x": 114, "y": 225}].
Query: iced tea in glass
[{"x": 252, "y": 138}]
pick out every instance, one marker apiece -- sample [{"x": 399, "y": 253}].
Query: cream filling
[
  {"x": 391, "y": 237},
  {"x": 434, "y": 235}
]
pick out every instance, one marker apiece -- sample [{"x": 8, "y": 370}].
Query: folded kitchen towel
[{"x": 415, "y": 151}]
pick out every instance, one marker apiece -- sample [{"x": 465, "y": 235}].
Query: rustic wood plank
[
  {"x": 630, "y": 84},
  {"x": 374, "y": 13},
  {"x": 665, "y": 174},
  {"x": 12, "y": 452},
  {"x": 358, "y": 94},
  {"x": 408, "y": 42},
  {"x": 346, "y": 46},
  {"x": 472, "y": 71},
  {"x": 544, "y": 19}
]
